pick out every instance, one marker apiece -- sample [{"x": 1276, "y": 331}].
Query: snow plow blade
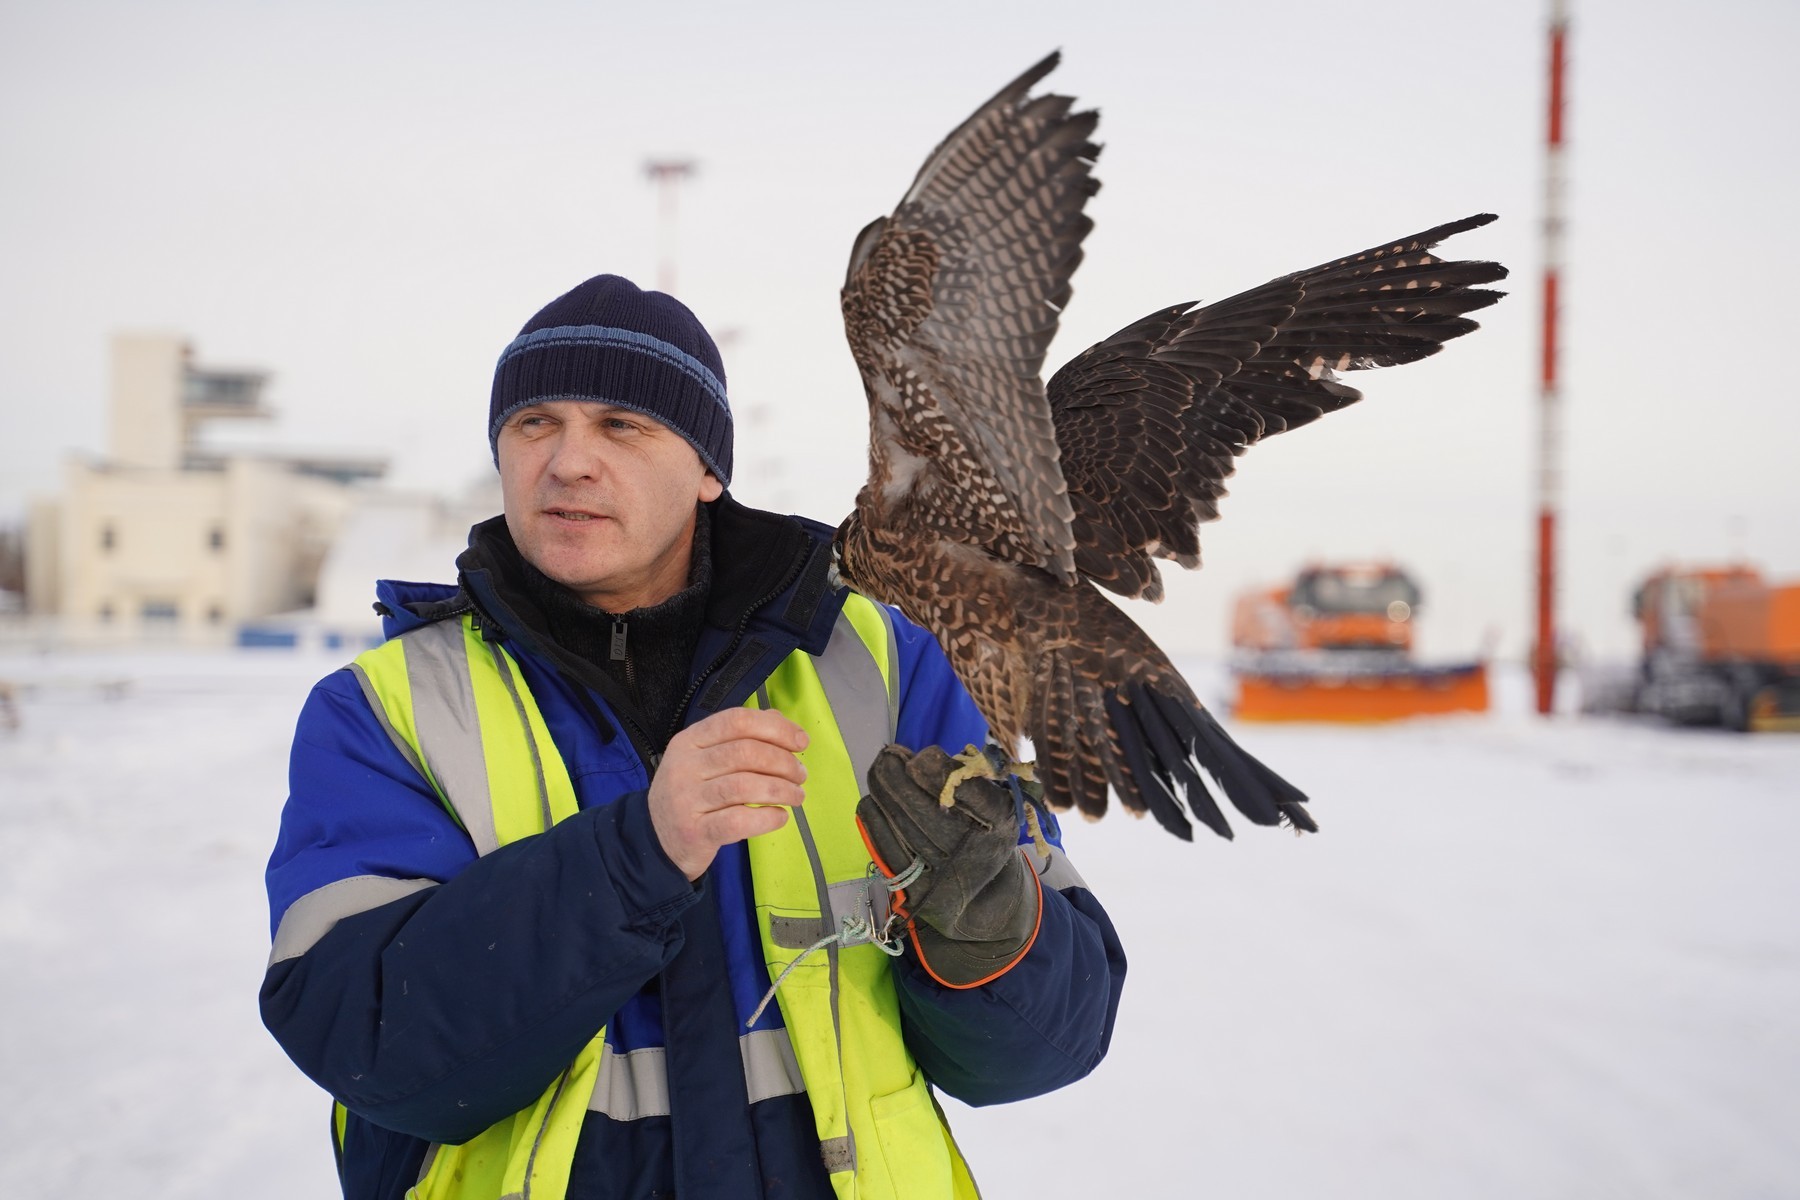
[
  {"x": 1357, "y": 696},
  {"x": 1775, "y": 708}
]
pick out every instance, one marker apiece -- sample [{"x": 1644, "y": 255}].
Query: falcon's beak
[{"x": 834, "y": 578}]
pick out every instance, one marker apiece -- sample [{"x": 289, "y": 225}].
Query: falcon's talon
[
  {"x": 975, "y": 765},
  {"x": 1037, "y": 831},
  {"x": 991, "y": 762}
]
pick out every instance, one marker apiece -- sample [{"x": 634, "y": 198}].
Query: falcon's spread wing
[
  {"x": 1150, "y": 420},
  {"x": 949, "y": 305},
  {"x": 993, "y": 506}
]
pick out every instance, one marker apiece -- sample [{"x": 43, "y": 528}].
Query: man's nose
[{"x": 578, "y": 454}]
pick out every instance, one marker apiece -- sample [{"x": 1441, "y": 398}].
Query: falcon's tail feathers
[{"x": 1171, "y": 743}]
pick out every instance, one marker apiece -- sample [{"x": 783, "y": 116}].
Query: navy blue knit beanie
[{"x": 608, "y": 341}]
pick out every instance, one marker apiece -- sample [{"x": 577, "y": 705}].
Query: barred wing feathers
[
  {"x": 1150, "y": 420},
  {"x": 1148, "y": 437}
]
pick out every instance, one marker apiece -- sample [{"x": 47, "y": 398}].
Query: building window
[
  {"x": 159, "y": 612},
  {"x": 215, "y": 538},
  {"x": 214, "y": 614},
  {"x": 229, "y": 389},
  {"x": 106, "y": 611},
  {"x": 108, "y": 539}
]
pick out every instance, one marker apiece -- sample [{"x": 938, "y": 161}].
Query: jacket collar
[
  {"x": 769, "y": 571},
  {"x": 774, "y": 570},
  {"x": 772, "y": 592},
  {"x": 405, "y": 606}
]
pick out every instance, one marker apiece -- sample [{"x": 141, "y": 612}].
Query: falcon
[{"x": 996, "y": 508}]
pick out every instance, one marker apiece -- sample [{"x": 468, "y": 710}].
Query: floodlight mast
[{"x": 667, "y": 174}]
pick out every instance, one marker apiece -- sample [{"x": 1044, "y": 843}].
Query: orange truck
[
  {"x": 1721, "y": 647},
  {"x": 1336, "y": 644}
]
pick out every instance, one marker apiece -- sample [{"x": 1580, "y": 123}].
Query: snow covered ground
[{"x": 1523, "y": 959}]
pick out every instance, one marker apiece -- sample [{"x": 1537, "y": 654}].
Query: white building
[{"x": 162, "y": 536}]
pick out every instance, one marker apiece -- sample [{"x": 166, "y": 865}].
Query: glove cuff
[
  {"x": 961, "y": 965},
  {"x": 969, "y": 927}
]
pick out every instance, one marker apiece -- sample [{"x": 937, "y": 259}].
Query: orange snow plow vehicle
[
  {"x": 1337, "y": 645},
  {"x": 1721, "y": 647}
]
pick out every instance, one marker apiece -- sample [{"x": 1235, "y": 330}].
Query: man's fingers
[
  {"x": 736, "y": 824},
  {"x": 729, "y": 777},
  {"x": 749, "y": 755},
  {"x": 765, "y": 725},
  {"x": 736, "y": 790}
]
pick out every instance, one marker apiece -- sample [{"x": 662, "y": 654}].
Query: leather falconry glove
[{"x": 973, "y": 910}]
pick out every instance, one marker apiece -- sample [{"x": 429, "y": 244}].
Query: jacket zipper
[
  {"x": 640, "y": 738},
  {"x": 619, "y": 652}
]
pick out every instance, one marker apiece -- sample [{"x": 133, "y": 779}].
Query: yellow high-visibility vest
[{"x": 457, "y": 705}]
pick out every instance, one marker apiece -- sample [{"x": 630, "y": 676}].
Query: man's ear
[{"x": 710, "y": 488}]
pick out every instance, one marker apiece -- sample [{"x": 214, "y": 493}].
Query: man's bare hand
[{"x": 711, "y": 775}]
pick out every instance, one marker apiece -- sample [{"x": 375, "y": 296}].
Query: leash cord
[{"x": 889, "y": 938}]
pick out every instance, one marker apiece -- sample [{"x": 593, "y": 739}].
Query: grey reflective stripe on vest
[
  {"x": 770, "y": 1067},
  {"x": 635, "y": 1084},
  {"x": 448, "y": 728},
  {"x": 841, "y": 1150},
  {"x": 838, "y": 1154},
  {"x": 537, "y": 1143},
  {"x": 314, "y": 915},
  {"x": 1057, "y": 871},
  {"x": 632, "y": 1085},
  {"x": 864, "y": 900},
  {"x": 864, "y": 710},
  {"x": 893, "y": 670},
  {"x": 375, "y": 706},
  {"x": 431, "y": 1154}
]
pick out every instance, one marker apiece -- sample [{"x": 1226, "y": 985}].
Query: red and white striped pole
[{"x": 1549, "y": 480}]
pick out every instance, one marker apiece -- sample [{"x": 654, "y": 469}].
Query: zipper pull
[{"x": 618, "y": 640}]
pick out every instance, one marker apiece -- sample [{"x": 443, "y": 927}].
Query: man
[{"x": 549, "y": 847}]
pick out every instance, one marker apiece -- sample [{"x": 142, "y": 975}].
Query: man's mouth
[{"x": 571, "y": 514}]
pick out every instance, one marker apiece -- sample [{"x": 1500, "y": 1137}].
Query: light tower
[
  {"x": 1549, "y": 470},
  {"x": 667, "y": 174}
]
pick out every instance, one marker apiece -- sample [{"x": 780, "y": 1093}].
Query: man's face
[{"x": 601, "y": 499}]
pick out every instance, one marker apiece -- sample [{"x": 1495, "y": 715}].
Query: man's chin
[{"x": 573, "y": 561}]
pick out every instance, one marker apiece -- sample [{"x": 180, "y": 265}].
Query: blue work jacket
[{"x": 433, "y": 1015}]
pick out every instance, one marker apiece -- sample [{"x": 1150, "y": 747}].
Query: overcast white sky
[{"x": 369, "y": 198}]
